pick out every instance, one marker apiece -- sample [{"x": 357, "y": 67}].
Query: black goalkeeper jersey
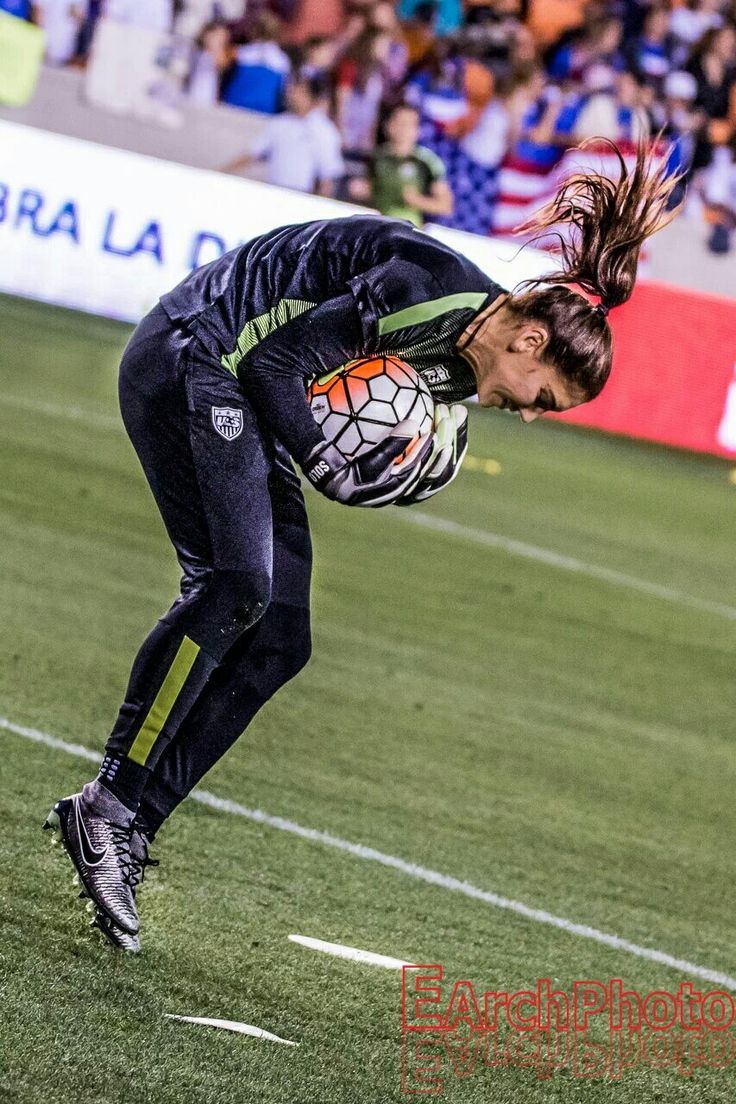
[{"x": 302, "y": 300}]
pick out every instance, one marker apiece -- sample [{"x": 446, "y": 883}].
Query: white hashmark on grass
[
  {"x": 232, "y": 1025},
  {"x": 565, "y": 563},
  {"x": 370, "y": 958},
  {"x": 412, "y": 870}
]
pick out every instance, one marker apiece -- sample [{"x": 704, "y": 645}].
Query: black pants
[{"x": 233, "y": 508}]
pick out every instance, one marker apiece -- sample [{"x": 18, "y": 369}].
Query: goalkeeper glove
[
  {"x": 368, "y": 480},
  {"x": 449, "y": 446}
]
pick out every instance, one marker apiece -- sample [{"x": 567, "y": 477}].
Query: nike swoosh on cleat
[{"x": 90, "y": 856}]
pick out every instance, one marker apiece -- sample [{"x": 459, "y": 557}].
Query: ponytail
[{"x": 609, "y": 220}]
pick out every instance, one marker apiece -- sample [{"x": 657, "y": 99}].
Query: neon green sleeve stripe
[
  {"x": 432, "y": 308},
  {"x": 163, "y": 703},
  {"x": 261, "y": 327}
]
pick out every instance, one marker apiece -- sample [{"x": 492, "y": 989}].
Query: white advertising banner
[{"x": 109, "y": 231}]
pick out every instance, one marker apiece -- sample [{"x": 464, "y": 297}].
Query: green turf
[{"x": 540, "y": 733}]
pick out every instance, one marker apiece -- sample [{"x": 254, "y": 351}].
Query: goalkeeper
[{"x": 212, "y": 394}]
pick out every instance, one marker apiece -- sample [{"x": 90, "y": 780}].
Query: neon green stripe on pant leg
[{"x": 163, "y": 703}]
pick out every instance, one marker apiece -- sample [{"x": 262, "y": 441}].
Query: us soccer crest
[{"x": 227, "y": 421}]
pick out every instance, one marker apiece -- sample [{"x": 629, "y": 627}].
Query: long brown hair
[{"x": 608, "y": 221}]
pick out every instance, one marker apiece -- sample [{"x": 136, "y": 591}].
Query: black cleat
[{"x": 100, "y": 853}]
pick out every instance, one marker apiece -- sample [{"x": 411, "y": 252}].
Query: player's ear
[{"x": 529, "y": 338}]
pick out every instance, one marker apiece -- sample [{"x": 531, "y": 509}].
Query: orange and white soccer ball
[{"x": 360, "y": 403}]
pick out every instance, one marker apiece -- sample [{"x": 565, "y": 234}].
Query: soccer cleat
[
  {"x": 139, "y": 860},
  {"x": 101, "y": 856},
  {"x": 115, "y": 935}
]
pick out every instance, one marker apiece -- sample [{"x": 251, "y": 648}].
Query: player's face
[
  {"x": 527, "y": 386},
  {"x": 507, "y": 357},
  {"x": 403, "y": 129}
]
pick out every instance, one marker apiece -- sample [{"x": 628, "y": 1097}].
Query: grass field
[{"x": 544, "y": 734}]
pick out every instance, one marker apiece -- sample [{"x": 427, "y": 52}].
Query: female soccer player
[{"x": 212, "y": 392}]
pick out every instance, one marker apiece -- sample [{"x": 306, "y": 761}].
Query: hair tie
[{"x": 602, "y": 309}]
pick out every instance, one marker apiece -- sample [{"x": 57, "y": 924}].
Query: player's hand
[
  {"x": 449, "y": 445},
  {"x": 368, "y": 480}
]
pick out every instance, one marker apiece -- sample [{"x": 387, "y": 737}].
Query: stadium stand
[{"x": 505, "y": 89}]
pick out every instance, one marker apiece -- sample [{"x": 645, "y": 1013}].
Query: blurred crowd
[{"x": 460, "y": 111}]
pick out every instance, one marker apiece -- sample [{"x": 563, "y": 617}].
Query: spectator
[
  {"x": 192, "y": 16},
  {"x": 689, "y": 22},
  {"x": 549, "y": 125},
  {"x": 714, "y": 67},
  {"x": 318, "y": 59},
  {"x": 526, "y": 88},
  {"x": 600, "y": 41},
  {"x": 612, "y": 107},
  {"x": 382, "y": 19},
  {"x": 361, "y": 85},
  {"x": 326, "y": 137},
  {"x": 62, "y": 20},
  {"x": 720, "y": 198},
  {"x": 679, "y": 122},
  {"x": 472, "y": 167},
  {"x": 538, "y": 142},
  {"x": 418, "y": 32},
  {"x": 650, "y": 56},
  {"x": 567, "y": 70},
  {"x": 87, "y": 30},
  {"x": 123, "y": 67},
  {"x": 437, "y": 88},
  {"x": 405, "y": 180},
  {"x": 471, "y": 147},
  {"x": 487, "y": 140},
  {"x": 301, "y": 147},
  {"x": 212, "y": 56},
  {"x": 260, "y": 70}
]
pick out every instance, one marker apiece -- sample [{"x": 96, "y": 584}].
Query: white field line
[
  {"x": 566, "y": 563},
  {"x": 339, "y": 950},
  {"x": 443, "y": 525},
  {"x": 412, "y": 870},
  {"x": 231, "y": 1025}
]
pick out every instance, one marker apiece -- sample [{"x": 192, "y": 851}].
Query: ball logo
[{"x": 227, "y": 421}]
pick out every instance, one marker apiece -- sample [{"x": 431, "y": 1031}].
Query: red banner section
[{"x": 674, "y": 371}]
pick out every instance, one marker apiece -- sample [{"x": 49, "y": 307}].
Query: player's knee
[
  {"x": 249, "y": 598},
  {"x": 240, "y": 598}
]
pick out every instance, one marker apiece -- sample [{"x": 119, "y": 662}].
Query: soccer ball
[{"x": 359, "y": 404}]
